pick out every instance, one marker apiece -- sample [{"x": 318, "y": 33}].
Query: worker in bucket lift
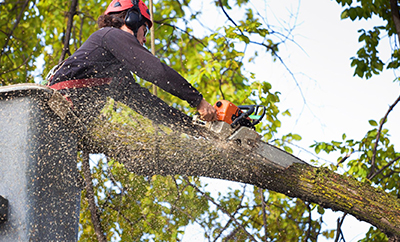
[{"x": 103, "y": 66}]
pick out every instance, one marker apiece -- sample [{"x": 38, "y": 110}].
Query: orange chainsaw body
[{"x": 227, "y": 111}]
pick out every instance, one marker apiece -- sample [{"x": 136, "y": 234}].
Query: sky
[{"x": 325, "y": 99}]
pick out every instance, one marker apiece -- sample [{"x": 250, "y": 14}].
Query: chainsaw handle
[
  {"x": 253, "y": 109},
  {"x": 243, "y": 115}
]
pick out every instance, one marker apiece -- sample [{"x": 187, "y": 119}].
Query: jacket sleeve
[{"x": 142, "y": 63}]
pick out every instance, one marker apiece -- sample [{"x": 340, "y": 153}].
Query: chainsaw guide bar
[{"x": 237, "y": 126}]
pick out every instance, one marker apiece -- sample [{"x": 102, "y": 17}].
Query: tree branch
[
  {"x": 383, "y": 120},
  {"x": 308, "y": 234},
  {"x": 223, "y": 210},
  {"x": 67, "y": 36},
  {"x": 18, "y": 19},
  {"x": 383, "y": 168},
  {"x": 227, "y": 15},
  {"x": 344, "y": 158},
  {"x": 395, "y": 16},
  {"x": 215, "y": 158},
  {"x": 264, "y": 214},
  {"x": 233, "y": 214},
  {"x": 192, "y": 150},
  {"x": 90, "y": 196},
  {"x": 339, "y": 231}
]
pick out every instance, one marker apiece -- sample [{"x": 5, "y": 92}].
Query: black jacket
[{"x": 111, "y": 52}]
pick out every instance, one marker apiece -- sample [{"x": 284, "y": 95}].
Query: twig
[
  {"x": 18, "y": 19},
  {"x": 309, "y": 223},
  {"x": 339, "y": 231},
  {"x": 184, "y": 31},
  {"x": 227, "y": 15},
  {"x": 67, "y": 36},
  {"x": 388, "y": 175},
  {"x": 90, "y": 196},
  {"x": 377, "y": 138},
  {"x": 230, "y": 220},
  {"x": 177, "y": 187},
  {"x": 344, "y": 159},
  {"x": 383, "y": 168},
  {"x": 260, "y": 190},
  {"x": 222, "y": 209},
  {"x": 241, "y": 32}
]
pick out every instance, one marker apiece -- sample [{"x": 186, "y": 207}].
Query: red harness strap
[{"x": 80, "y": 83}]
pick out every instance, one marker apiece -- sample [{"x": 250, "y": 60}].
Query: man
[{"x": 103, "y": 66}]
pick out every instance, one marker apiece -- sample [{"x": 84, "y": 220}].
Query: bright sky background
[{"x": 336, "y": 102}]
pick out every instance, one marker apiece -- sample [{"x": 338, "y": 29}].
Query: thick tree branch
[{"x": 147, "y": 152}]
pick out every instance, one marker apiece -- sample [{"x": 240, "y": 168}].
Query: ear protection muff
[{"x": 134, "y": 18}]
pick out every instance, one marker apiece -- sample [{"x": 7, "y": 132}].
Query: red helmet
[{"x": 121, "y": 5}]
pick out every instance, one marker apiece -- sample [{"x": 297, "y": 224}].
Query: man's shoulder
[
  {"x": 114, "y": 36},
  {"x": 106, "y": 30},
  {"x": 110, "y": 30}
]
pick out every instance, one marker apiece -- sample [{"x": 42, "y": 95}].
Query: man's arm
[{"x": 142, "y": 63}]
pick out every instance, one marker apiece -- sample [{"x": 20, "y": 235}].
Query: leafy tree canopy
[
  {"x": 367, "y": 61},
  {"x": 132, "y": 207}
]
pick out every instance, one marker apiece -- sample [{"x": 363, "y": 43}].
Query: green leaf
[
  {"x": 373, "y": 122},
  {"x": 288, "y": 149},
  {"x": 344, "y": 14},
  {"x": 111, "y": 162},
  {"x": 296, "y": 137},
  {"x": 317, "y": 149},
  {"x": 320, "y": 210}
]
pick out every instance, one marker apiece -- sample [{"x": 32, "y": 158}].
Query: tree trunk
[{"x": 147, "y": 150}]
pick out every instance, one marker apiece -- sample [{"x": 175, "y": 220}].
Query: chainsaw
[{"x": 237, "y": 124}]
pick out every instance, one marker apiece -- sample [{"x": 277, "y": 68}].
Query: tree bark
[
  {"x": 394, "y": 7},
  {"x": 146, "y": 150}
]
